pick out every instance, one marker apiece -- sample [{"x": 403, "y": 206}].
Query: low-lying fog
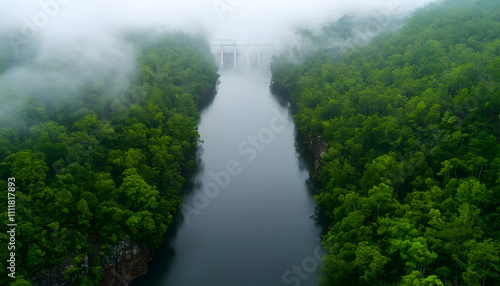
[{"x": 81, "y": 38}]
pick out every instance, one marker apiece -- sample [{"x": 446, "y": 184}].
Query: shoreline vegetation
[
  {"x": 405, "y": 130},
  {"x": 410, "y": 172},
  {"x": 99, "y": 177}
]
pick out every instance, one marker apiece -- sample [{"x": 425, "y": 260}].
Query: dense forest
[
  {"x": 93, "y": 168},
  {"x": 409, "y": 126}
]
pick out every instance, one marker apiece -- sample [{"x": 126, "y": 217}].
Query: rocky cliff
[
  {"x": 127, "y": 261},
  {"x": 318, "y": 147}
]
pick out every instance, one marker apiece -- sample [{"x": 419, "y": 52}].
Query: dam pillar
[
  {"x": 234, "y": 54},
  {"x": 258, "y": 57},
  {"x": 221, "y": 55},
  {"x": 248, "y": 55}
]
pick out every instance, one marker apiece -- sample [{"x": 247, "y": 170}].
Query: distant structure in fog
[{"x": 242, "y": 53}]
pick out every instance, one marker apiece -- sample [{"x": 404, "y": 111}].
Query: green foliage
[
  {"x": 411, "y": 165},
  {"x": 94, "y": 170},
  {"x": 5, "y": 60},
  {"x": 20, "y": 281}
]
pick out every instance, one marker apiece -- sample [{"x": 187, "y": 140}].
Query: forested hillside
[
  {"x": 92, "y": 169},
  {"x": 411, "y": 170}
]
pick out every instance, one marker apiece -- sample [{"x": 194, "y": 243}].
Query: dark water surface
[{"x": 249, "y": 214}]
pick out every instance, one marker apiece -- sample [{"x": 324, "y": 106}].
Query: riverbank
[{"x": 264, "y": 217}]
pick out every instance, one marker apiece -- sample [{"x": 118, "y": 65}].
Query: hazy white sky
[
  {"x": 82, "y": 34},
  {"x": 216, "y": 18}
]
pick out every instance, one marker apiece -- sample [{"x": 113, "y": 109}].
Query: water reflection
[
  {"x": 280, "y": 96},
  {"x": 265, "y": 220},
  {"x": 165, "y": 255},
  {"x": 305, "y": 162},
  {"x": 207, "y": 99}
]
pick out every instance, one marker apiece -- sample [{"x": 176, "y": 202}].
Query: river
[{"x": 249, "y": 217}]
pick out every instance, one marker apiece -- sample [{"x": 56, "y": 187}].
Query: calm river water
[{"x": 249, "y": 214}]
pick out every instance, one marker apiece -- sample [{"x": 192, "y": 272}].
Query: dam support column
[
  {"x": 221, "y": 55},
  {"x": 234, "y": 54},
  {"x": 248, "y": 55},
  {"x": 258, "y": 58}
]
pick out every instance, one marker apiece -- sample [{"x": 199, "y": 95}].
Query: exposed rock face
[
  {"x": 318, "y": 147},
  {"x": 54, "y": 276},
  {"x": 127, "y": 261}
]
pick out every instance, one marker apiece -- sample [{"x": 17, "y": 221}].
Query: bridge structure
[{"x": 242, "y": 53}]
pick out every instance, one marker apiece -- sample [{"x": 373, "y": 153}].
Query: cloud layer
[
  {"x": 82, "y": 35},
  {"x": 70, "y": 19}
]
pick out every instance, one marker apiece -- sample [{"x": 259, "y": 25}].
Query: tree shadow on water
[
  {"x": 306, "y": 161},
  {"x": 165, "y": 255},
  {"x": 207, "y": 99},
  {"x": 192, "y": 175}
]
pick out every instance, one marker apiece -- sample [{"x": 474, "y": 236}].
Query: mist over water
[
  {"x": 67, "y": 23},
  {"x": 86, "y": 37}
]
